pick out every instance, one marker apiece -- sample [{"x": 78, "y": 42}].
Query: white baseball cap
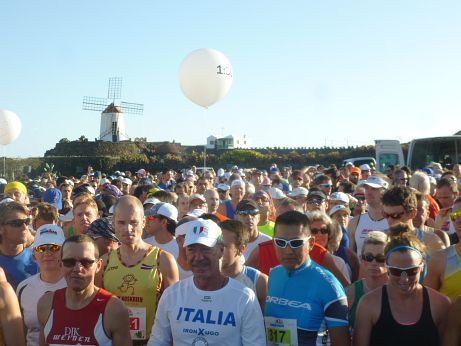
[
  {"x": 196, "y": 212},
  {"x": 141, "y": 171},
  {"x": 205, "y": 232},
  {"x": 151, "y": 200},
  {"x": 339, "y": 196},
  {"x": 364, "y": 167},
  {"x": 197, "y": 196},
  {"x": 238, "y": 182},
  {"x": 223, "y": 187},
  {"x": 338, "y": 208},
  {"x": 164, "y": 209},
  {"x": 299, "y": 191},
  {"x": 49, "y": 234},
  {"x": 127, "y": 181},
  {"x": 376, "y": 182},
  {"x": 276, "y": 193}
]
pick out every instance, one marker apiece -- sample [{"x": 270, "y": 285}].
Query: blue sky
[{"x": 306, "y": 73}]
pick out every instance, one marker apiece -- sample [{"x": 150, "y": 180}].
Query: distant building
[{"x": 228, "y": 142}]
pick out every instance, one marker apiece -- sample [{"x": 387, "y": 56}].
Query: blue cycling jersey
[{"x": 311, "y": 295}]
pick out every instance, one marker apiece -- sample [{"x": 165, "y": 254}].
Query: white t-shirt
[
  {"x": 29, "y": 292},
  {"x": 230, "y": 316},
  {"x": 254, "y": 244},
  {"x": 171, "y": 246}
]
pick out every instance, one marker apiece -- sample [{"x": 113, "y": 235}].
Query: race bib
[
  {"x": 137, "y": 323},
  {"x": 281, "y": 331}
]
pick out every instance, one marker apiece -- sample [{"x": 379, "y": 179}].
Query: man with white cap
[
  {"x": 161, "y": 222},
  {"x": 47, "y": 253},
  {"x": 223, "y": 192},
  {"x": 207, "y": 308},
  {"x": 365, "y": 171},
  {"x": 373, "y": 219},
  {"x": 126, "y": 185},
  {"x": 299, "y": 194},
  {"x": 237, "y": 191}
]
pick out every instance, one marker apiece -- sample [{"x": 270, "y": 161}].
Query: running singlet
[
  {"x": 254, "y": 244},
  {"x": 248, "y": 277},
  {"x": 387, "y": 331},
  {"x": 229, "y": 316},
  {"x": 451, "y": 285},
  {"x": 309, "y": 295},
  {"x": 77, "y": 327},
  {"x": 359, "y": 292},
  {"x": 230, "y": 213},
  {"x": 267, "y": 228},
  {"x": 364, "y": 226},
  {"x": 138, "y": 286}
]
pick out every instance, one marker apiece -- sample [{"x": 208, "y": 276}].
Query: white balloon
[
  {"x": 10, "y": 127},
  {"x": 205, "y": 76}
]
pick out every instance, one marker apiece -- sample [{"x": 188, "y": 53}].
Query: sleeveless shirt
[
  {"x": 387, "y": 331},
  {"x": 71, "y": 327},
  {"x": 249, "y": 277},
  {"x": 138, "y": 286},
  {"x": 364, "y": 226},
  {"x": 451, "y": 284},
  {"x": 230, "y": 213},
  {"x": 359, "y": 292}
]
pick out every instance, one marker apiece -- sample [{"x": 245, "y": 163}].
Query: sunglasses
[
  {"x": 18, "y": 222},
  {"x": 315, "y": 201},
  {"x": 410, "y": 271},
  {"x": 294, "y": 243},
  {"x": 70, "y": 262},
  {"x": 378, "y": 258},
  {"x": 247, "y": 212},
  {"x": 323, "y": 230},
  {"x": 151, "y": 218},
  {"x": 361, "y": 199},
  {"x": 394, "y": 216},
  {"x": 455, "y": 215},
  {"x": 327, "y": 185},
  {"x": 47, "y": 247}
]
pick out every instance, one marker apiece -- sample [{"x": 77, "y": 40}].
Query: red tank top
[
  {"x": 268, "y": 259},
  {"x": 82, "y": 327}
]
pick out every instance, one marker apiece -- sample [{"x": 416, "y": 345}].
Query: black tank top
[{"x": 388, "y": 331}]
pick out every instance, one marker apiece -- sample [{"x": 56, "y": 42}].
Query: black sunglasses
[
  {"x": 70, "y": 262},
  {"x": 248, "y": 212},
  {"x": 18, "y": 222},
  {"x": 323, "y": 230},
  {"x": 394, "y": 216},
  {"x": 410, "y": 271},
  {"x": 378, "y": 258}
]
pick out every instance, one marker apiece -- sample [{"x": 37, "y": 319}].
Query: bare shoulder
[
  {"x": 350, "y": 294},
  {"x": 439, "y": 299},
  {"x": 44, "y": 306},
  {"x": 115, "y": 307},
  {"x": 165, "y": 257},
  {"x": 372, "y": 299}
]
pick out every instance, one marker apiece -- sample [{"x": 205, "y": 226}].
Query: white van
[{"x": 388, "y": 152}]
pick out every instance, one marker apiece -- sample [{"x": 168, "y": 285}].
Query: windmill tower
[{"x": 112, "y": 116}]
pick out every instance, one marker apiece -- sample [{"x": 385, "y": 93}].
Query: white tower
[
  {"x": 112, "y": 125},
  {"x": 112, "y": 116}
]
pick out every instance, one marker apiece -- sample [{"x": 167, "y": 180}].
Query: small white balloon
[
  {"x": 205, "y": 76},
  {"x": 10, "y": 127}
]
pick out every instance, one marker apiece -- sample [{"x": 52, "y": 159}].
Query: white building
[
  {"x": 113, "y": 125},
  {"x": 228, "y": 142}
]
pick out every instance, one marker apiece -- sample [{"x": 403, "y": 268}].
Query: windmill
[{"x": 112, "y": 116}]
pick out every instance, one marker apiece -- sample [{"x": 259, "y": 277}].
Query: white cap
[
  {"x": 276, "y": 193},
  {"x": 223, "y": 187},
  {"x": 196, "y": 212},
  {"x": 49, "y": 234},
  {"x": 205, "y": 232},
  {"x": 338, "y": 208},
  {"x": 151, "y": 200},
  {"x": 220, "y": 172},
  {"x": 238, "y": 182},
  {"x": 364, "y": 167},
  {"x": 127, "y": 181},
  {"x": 141, "y": 171},
  {"x": 164, "y": 209},
  {"x": 3, "y": 181},
  {"x": 197, "y": 196},
  {"x": 298, "y": 191},
  {"x": 376, "y": 182},
  {"x": 339, "y": 196},
  {"x": 189, "y": 173}
]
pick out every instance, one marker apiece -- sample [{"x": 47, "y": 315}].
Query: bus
[{"x": 444, "y": 150}]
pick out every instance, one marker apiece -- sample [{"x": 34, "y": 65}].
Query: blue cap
[{"x": 54, "y": 197}]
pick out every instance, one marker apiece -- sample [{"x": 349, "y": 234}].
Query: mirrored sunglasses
[
  {"x": 47, "y": 247},
  {"x": 248, "y": 212},
  {"x": 455, "y": 215}
]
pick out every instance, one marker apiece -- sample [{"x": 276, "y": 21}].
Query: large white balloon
[
  {"x": 205, "y": 76},
  {"x": 10, "y": 127}
]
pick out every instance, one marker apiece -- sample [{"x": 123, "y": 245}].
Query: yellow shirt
[{"x": 138, "y": 286}]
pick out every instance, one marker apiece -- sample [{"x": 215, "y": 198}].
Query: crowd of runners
[{"x": 315, "y": 256}]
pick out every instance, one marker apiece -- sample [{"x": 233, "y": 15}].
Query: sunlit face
[
  {"x": 203, "y": 260},
  {"x": 48, "y": 260},
  {"x": 237, "y": 192},
  {"x": 202, "y": 186},
  {"x": 342, "y": 217},
  {"x": 183, "y": 205},
  {"x": 250, "y": 221},
  {"x": 17, "y": 196},
  {"x": 318, "y": 229},
  {"x": 422, "y": 214},
  {"x": 14, "y": 234},
  {"x": 445, "y": 196},
  {"x": 231, "y": 253},
  {"x": 395, "y": 214},
  {"x": 212, "y": 200},
  {"x": 129, "y": 223},
  {"x": 373, "y": 195},
  {"x": 407, "y": 259},
  {"x": 84, "y": 215},
  {"x": 377, "y": 266},
  {"x": 66, "y": 191},
  {"x": 400, "y": 178},
  {"x": 78, "y": 276},
  {"x": 288, "y": 257},
  {"x": 326, "y": 187}
]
